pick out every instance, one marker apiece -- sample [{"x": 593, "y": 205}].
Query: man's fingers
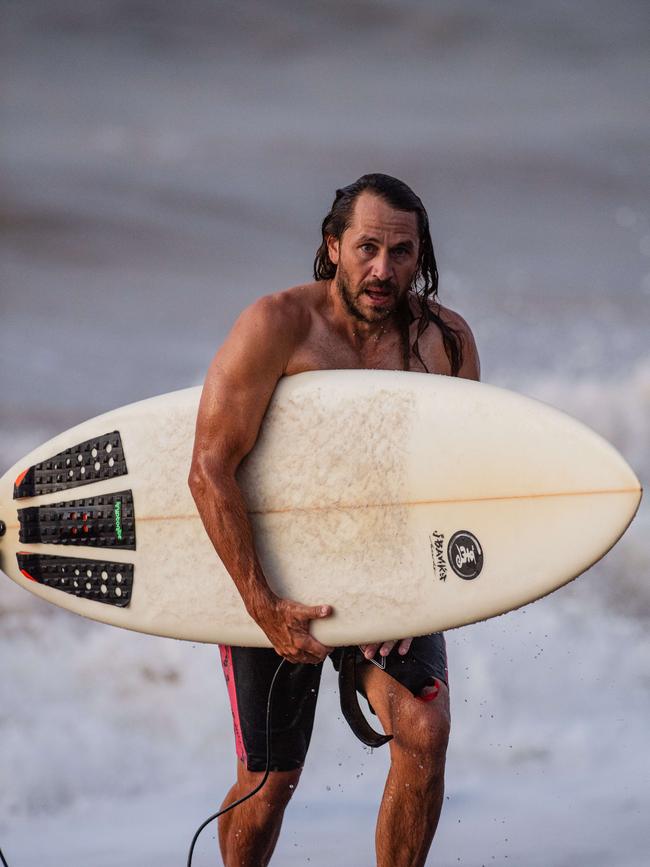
[
  {"x": 314, "y": 648},
  {"x": 386, "y": 647},
  {"x": 304, "y": 659},
  {"x": 301, "y": 614},
  {"x": 297, "y": 612},
  {"x": 405, "y": 644},
  {"x": 288, "y": 630},
  {"x": 369, "y": 650},
  {"x": 317, "y": 611},
  {"x": 299, "y": 650},
  {"x": 313, "y": 651},
  {"x": 301, "y": 659}
]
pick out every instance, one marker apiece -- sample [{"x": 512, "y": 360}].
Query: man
[{"x": 373, "y": 305}]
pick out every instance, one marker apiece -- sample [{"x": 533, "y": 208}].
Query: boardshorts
[{"x": 249, "y": 671}]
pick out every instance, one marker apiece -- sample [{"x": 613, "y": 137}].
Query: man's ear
[{"x": 333, "y": 249}]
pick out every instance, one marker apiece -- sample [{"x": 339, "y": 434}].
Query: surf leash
[
  {"x": 350, "y": 700},
  {"x": 258, "y": 787},
  {"x": 2, "y": 858}
]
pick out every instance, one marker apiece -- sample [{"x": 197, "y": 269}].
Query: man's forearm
[{"x": 223, "y": 511}]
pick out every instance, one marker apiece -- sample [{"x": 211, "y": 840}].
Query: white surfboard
[{"x": 410, "y": 502}]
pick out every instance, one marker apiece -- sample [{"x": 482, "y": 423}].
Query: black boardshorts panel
[{"x": 249, "y": 671}]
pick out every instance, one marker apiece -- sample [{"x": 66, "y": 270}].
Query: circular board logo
[{"x": 465, "y": 555}]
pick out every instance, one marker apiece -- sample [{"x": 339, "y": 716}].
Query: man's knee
[
  {"x": 283, "y": 784},
  {"x": 276, "y": 791},
  {"x": 422, "y": 729}
]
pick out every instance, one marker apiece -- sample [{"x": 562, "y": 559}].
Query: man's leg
[
  {"x": 414, "y": 790},
  {"x": 248, "y": 833}
]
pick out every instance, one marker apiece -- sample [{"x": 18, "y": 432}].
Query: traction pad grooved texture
[
  {"x": 105, "y": 521},
  {"x": 99, "y": 580},
  {"x": 91, "y": 461}
]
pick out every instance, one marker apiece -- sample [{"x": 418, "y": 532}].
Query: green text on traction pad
[{"x": 117, "y": 511}]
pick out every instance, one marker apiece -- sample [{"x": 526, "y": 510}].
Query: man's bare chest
[
  {"x": 323, "y": 349},
  {"x": 324, "y": 356}
]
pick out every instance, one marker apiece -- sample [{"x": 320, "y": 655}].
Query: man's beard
[{"x": 350, "y": 301}]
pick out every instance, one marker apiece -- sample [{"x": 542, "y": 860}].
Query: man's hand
[
  {"x": 369, "y": 650},
  {"x": 286, "y": 624}
]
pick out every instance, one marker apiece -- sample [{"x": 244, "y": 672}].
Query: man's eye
[
  {"x": 400, "y": 251},
  {"x": 368, "y": 248}
]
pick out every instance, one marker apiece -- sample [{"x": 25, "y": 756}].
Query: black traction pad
[
  {"x": 99, "y": 580},
  {"x": 91, "y": 461},
  {"x": 105, "y": 521}
]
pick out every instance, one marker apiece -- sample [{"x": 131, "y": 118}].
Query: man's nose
[{"x": 381, "y": 266}]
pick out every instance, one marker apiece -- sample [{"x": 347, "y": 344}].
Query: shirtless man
[{"x": 373, "y": 305}]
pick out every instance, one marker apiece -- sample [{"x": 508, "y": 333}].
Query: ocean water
[{"x": 164, "y": 165}]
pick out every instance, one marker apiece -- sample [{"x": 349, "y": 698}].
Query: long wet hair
[{"x": 425, "y": 280}]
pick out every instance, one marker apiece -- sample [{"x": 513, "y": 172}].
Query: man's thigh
[
  {"x": 411, "y": 696},
  {"x": 424, "y": 666}
]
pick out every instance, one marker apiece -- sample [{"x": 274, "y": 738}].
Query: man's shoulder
[
  {"x": 286, "y": 309},
  {"x": 451, "y": 318},
  {"x": 470, "y": 367}
]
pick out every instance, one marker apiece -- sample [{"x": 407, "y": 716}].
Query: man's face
[{"x": 376, "y": 258}]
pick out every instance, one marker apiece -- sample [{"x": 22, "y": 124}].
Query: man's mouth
[{"x": 379, "y": 294}]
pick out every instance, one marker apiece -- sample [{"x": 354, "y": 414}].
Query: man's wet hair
[{"x": 425, "y": 280}]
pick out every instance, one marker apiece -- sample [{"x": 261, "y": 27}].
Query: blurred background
[{"x": 163, "y": 165}]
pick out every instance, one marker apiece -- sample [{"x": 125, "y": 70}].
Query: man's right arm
[{"x": 236, "y": 394}]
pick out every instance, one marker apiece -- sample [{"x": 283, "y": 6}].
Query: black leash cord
[
  {"x": 258, "y": 787},
  {"x": 2, "y": 858}
]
